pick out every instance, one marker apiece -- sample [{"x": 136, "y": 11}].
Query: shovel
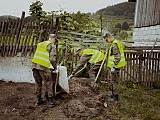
[
  {"x": 80, "y": 70},
  {"x": 94, "y": 85}
]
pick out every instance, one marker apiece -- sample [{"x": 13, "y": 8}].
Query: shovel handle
[{"x": 101, "y": 65}]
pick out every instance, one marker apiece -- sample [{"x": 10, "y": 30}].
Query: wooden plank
[
  {"x": 5, "y": 36},
  {"x": 150, "y": 12},
  {"x": 24, "y": 39},
  {"x": 1, "y": 38},
  {"x": 34, "y": 41},
  {"x": 140, "y": 13},
  {"x": 152, "y": 69},
  {"x": 156, "y": 66},
  {"x": 134, "y": 55},
  {"x": 9, "y": 34},
  {"x": 148, "y": 15},
  {"x": 80, "y": 34},
  {"x": 157, "y": 12},
  {"x": 29, "y": 34},
  {"x": 18, "y": 35},
  {"x": 142, "y": 48},
  {"x": 130, "y": 66},
  {"x": 143, "y": 15},
  {"x": 143, "y": 68},
  {"x": 158, "y": 78},
  {"x": 15, "y": 25}
]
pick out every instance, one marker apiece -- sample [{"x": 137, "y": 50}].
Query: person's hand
[
  {"x": 94, "y": 85},
  {"x": 113, "y": 70},
  {"x": 55, "y": 71},
  {"x": 70, "y": 77}
]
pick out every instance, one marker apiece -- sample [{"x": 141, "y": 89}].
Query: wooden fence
[
  {"x": 143, "y": 62},
  {"x": 142, "y": 67},
  {"x": 17, "y": 36}
]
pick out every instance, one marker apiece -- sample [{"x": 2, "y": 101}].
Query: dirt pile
[{"x": 17, "y": 102}]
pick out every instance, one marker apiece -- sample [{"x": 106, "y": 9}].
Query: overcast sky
[{"x": 15, "y": 7}]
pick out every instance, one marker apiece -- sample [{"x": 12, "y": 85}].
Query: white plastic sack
[{"x": 63, "y": 81}]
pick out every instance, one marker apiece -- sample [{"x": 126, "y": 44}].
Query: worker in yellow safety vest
[
  {"x": 116, "y": 60},
  {"x": 44, "y": 63},
  {"x": 92, "y": 56}
]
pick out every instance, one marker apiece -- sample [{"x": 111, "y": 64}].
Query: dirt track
[{"x": 17, "y": 103}]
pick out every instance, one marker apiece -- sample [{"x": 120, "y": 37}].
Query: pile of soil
[{"x": 17, "y": 101}]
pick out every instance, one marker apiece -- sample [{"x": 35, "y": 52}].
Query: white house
[{"x": 146, "y": 23}]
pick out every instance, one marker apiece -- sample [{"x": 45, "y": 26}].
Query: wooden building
[{"x": 147, "y": 23}]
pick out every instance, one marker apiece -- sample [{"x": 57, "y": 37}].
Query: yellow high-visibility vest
[
  {"x": 97, "y": 56},
  {"x": 111, "y": 57},
  {"x": 41, "y": 55}
]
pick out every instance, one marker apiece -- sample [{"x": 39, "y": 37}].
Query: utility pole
[
  {"x": 107, "y": 25},
  {"x": 100, "y": 17}
]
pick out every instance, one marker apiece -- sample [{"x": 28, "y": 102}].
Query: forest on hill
[{"x": 126, "y": 9}]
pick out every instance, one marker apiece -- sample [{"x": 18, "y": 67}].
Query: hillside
[
  {"x": 5, "y": 17},
  {"x": 126, "y": 9}
]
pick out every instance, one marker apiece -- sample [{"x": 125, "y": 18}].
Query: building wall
[
  {"x": 146, "y": 23},
  {"x": 16, "y": 69},
  {"x": 146, "y": 35}
]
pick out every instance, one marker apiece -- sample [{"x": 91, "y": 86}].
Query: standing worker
[
  {"x": 116, "y": 60},
  {"x": 44, "y": 63},
  {"x": 94, "y": 57}
]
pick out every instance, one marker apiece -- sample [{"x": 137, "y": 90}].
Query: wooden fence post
[
  {"x": 18, "y": 35},
  {"x": 140, "y": 68},
  {"x": 2, "y": 43}
]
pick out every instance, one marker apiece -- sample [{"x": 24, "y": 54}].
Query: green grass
[
  {"x": 136, "y": 103},
  {"x": 139, "y": 103}
]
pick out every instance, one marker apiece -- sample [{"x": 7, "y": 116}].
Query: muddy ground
[{"x": 17, "y": 102}]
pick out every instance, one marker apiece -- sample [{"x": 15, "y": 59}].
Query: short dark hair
[{"x": 78, "y": 50}]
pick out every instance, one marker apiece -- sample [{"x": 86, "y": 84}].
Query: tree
[
  {"x": 118, "y": 25},
  {"x": 125, "y": 26},
  {"x": 79, "y": 22},
  {"x": 115, "y": 31},
  {"x": 123, "y": 35},
  {"x": 36, "y": 10}
]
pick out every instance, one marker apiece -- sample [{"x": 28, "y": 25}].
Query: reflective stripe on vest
[
  {"x": 97, "y": 56},
  {"x": 111, "y": 57},
  {"x": 41, "y": 55}
]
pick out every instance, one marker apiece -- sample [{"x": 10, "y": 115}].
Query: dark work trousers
[
  {"x": 94, "y": 70},
  {"x": 115, "y": 82},
  {"x": 47, "y": 78}
]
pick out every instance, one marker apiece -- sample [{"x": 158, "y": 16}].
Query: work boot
[
  {"x": 52, "y": 102},
  {"x": 39, "y": 100},
  {"x": 113, "y": 97}
]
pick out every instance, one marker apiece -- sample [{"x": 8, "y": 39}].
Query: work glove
[
  {"x": 113, "y": 70},
  {"x": 70, "y": 77},
  {"x": 94, "y": 84},
  {"x": 55, "y": 71}
]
